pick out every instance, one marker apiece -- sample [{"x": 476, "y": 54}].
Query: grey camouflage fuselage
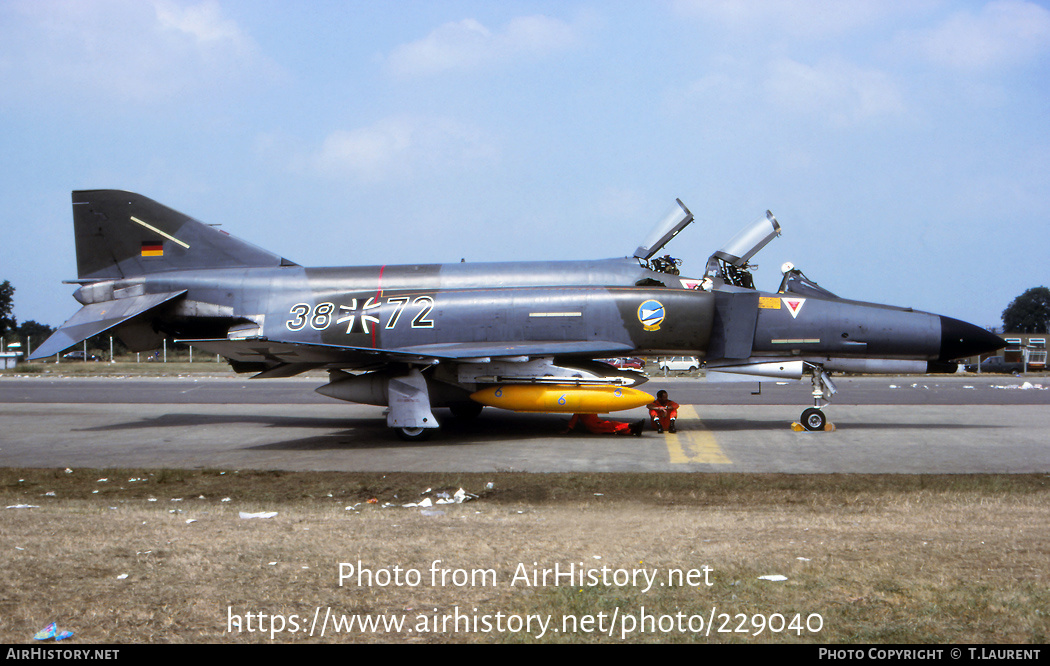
[{"x": 416, "y": 336}]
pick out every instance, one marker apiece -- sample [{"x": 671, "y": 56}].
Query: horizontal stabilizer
[{"x": 95, "y": 318}]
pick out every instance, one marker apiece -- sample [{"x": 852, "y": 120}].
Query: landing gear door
[{"x": 675, "y": 220}]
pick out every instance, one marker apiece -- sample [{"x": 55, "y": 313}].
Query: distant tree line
[
  {"x": 10, "y": 329},
  {"x": 1029, "y": 312}
]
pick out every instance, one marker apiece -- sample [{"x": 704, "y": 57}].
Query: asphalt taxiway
[{"x": 926, "y": 424}]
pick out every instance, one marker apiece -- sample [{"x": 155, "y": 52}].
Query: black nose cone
[{"x": 961, "y": 340}]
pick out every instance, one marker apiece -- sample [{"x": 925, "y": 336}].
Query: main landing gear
[
  {"x": 409, "y": 411},
  {"x": 414, "y": 434},
  {"x": 823, "y": 388}
]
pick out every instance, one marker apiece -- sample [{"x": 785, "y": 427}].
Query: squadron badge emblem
[{"x": 651, "y": 314}]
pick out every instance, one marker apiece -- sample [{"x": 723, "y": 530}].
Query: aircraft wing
[
  {"x": 473, "y": 350},
  {"x": 95, "y": 318},
  {"x": 285, "y": 359},
  {"x": 299, "y": 356}
]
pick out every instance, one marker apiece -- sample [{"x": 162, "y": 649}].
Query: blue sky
[{"x": 904, "y": 146}]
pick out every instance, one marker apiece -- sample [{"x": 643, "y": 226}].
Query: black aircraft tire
[
  {"x": 415, "y": 434},
  {"x": 813, "y": 419}
]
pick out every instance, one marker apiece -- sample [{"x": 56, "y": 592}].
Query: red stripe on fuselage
[{"x": 379, "y": 296}]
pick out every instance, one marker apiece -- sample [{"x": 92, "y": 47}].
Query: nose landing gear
[{"x": 823, "y": 388}]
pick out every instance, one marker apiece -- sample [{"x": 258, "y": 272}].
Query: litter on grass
[
  {"x": 51, "y": 631},
  {"x": 47, "y": 632}
]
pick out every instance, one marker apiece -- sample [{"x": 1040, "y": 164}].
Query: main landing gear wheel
[
  {"x": 813, "y": 419},
  {"x": 414, "y": 434}
]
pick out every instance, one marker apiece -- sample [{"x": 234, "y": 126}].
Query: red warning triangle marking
[{"x": 794, "y": 305}]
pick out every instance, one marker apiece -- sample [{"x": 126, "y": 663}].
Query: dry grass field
[{"x": 166, "y": 556}]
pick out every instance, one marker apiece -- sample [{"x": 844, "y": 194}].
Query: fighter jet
[{"x": 523, "y": 336}]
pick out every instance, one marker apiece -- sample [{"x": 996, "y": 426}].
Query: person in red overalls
[
  {"x": 601, "y": 427},
  {"x": 663, "y": 412}
]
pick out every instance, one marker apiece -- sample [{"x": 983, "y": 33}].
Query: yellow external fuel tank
[{"x": 562, "y": 398}]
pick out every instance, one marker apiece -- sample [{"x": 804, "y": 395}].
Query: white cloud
[
  {"x": 119, "y": 51},
  {"x": 1002, "y": 33},
  {"x": 399, "y": 146},
  {"x": 468, "y": 44},
  {"x": 204, "y": 22},
  {"x": 834, "y": 90},
  {"x": 725, "y": 86},
  {"x": 797, "y": 18}
]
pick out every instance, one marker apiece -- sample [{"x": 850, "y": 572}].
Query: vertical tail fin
[{"x": 122, "y": 234}]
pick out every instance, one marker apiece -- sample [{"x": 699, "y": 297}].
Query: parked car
[
  {"x": 631, "y": 363},
  {"x": 997, "y": 364},
  {"x": 79, "y": 356},
  {"x": 679, "y": 363}
]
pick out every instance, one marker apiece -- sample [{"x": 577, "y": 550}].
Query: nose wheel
[
  {"x": 823, "y": 388},
  {"x": 813, "y": 419}
]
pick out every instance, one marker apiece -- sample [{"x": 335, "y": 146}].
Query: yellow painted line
[
  {"x": 694, "y": 444},
  {"x": 158, "y": 231}
]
